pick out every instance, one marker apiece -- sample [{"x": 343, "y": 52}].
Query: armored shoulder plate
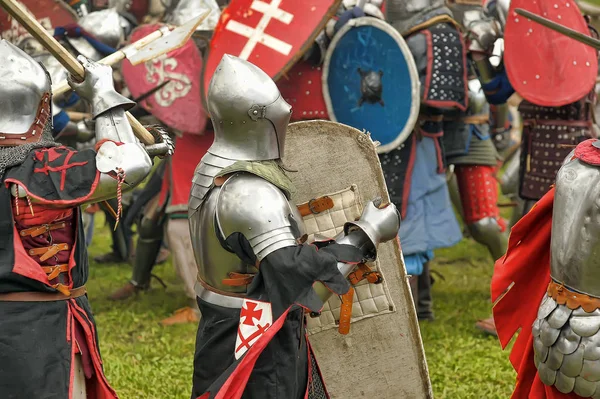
[
  {"x": 576, "y": 228},
  {"x": 257, "y": 209}
]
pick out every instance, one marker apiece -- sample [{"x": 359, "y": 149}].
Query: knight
[
  {"x": 255, "y": 273},
  {"x": 50, "y": 336},
  {"x": 550, "y": 281}
]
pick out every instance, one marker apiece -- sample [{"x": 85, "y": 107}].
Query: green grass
[{"x": 145, "y": 360}]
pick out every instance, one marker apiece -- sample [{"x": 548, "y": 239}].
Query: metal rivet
[
  {"x": 255, "y": 112},
  {"x": 524, "y": 82},
  {"x": 537, "y": 76},
  {"x": 556, "y": 6},
  {"x": 516, "y": 19},
  {"x": 587, "y": 64},
  {"x": 574, "y": 62}
]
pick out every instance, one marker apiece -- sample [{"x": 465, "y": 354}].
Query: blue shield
[{"x": 370, "y": 81}]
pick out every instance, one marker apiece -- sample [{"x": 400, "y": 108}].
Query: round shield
[
  {"x": 168, "y": 86},
  {"x": 370, "y": 81}
]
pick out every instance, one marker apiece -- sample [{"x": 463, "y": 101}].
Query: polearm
[
  {"x": 148, "y": 47},
  {"x": 573, "y": 34}
]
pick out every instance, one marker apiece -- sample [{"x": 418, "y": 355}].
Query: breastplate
[
  {"x": 575, "y": 247},
  {"x": 213, "y": 261}
]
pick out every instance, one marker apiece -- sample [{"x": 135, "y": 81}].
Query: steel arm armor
[{"x": 258, "y": 210}]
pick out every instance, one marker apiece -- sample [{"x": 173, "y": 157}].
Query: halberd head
[
  {"x": 25, "y": 97},
  {"x": 249, "y": 115}
]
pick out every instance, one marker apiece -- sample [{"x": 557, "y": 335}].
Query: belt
[
  {"x": 35, "y": 296},
  {"x": 215, "y": 298}
]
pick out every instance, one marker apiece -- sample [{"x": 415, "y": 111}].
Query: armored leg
[
  {"x": 150, "y": 236},
  {"x": 479, "y": 195},
  {"x": 488, "y": 232}
]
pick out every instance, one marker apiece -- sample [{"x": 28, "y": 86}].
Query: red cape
[{"x": 527, "y": 265}]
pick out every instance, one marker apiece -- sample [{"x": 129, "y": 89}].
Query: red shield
[
  {"x": 545, "y": 67},
  {"x": 177, "y": 103},
  {"x": 50, "y": 14},
  {"x": 302, "y": 88},
  {"x": 271, "y": 34}
]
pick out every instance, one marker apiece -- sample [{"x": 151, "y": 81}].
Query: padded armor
[{"x": 258, "y": 210}]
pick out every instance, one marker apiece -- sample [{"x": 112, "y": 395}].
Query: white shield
[{"x": 255, "y": 319}]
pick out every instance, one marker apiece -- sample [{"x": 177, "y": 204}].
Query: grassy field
[{"x": 144, "y": 360}]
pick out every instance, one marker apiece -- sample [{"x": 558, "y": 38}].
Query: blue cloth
[
  {"x": 414, "y": 263},
  {"x": 78, "y": 32},
  {"x": 59, "y": 121},
  {"x": 499, "y": 89},
  {"x": 430, "y": 222},
  {"x": 68, "y": 101}
]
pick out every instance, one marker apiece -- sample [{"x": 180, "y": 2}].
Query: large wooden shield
[
  {"x": 271, "y": 34},
  {"x": 49, "y": 13},
  {"x": 546, "y": 67},
  {"x": 382, "y": 356}
]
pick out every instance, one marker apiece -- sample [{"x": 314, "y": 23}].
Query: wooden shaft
[
  {"x": 78, "y": 116},
  {"x": 63, "y": 87},
  {"x": 63, "y": 56}
]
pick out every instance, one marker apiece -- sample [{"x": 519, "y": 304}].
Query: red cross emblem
[{"x": 255, "y": 318}]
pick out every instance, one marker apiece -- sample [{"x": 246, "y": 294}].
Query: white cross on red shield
[
  {"x": 255, "y": 319},
  {"x": 271, "y": 34}
]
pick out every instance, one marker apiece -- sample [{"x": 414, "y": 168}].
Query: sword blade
[{"x": 572, "y": 33}]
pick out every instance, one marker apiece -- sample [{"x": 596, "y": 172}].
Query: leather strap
[
  {"x": 34, "y": 296},
  {"x": 315, "y": 206},
  {"x": 46, "y": 253},
  {"x": 54, "y": 271},
  {"x": 238, "y": 279},
  {"x": 44, "y": 228},
  {"x": 346, "y": 311},
  {"x": 363, "y": 271}
]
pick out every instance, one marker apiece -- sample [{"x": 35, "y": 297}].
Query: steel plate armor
[
  {"x": 566, "y": 340},
  {"x": 242, "y": 114}
]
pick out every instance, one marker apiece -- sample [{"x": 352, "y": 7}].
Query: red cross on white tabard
[{"x": 257, "y": 35}]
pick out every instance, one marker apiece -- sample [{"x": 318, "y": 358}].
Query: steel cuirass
[
  {"x": 566, "y": 335},
  {"x": 250, "y": 118}
]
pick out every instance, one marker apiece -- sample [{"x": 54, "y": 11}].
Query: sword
[
  {"x": 573, "y": 34},
  {"x": 148, "y": 47}
]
